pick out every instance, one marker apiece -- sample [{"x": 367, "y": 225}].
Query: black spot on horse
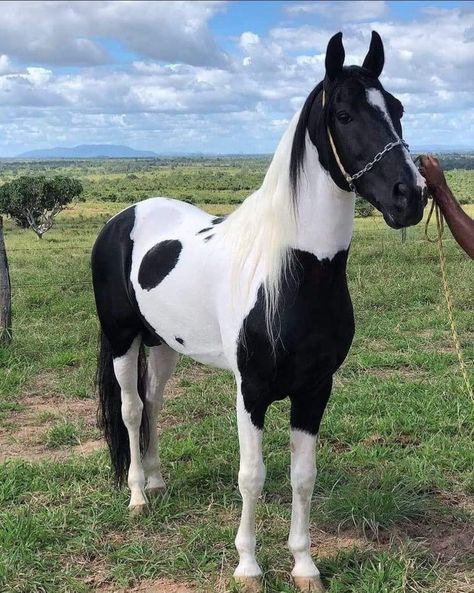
[
  {"x": 158, "y": 263},
  {"x": 179, "y": 340},
  {"x": 218, "y": 219},
  {"x": 209, "y": 228},
  {"x": 208, "y": 238}
]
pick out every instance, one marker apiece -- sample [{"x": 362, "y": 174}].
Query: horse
[{"x": 262, "y": 292}]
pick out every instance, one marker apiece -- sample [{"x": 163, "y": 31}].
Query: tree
[{"x": 34, "y": 201}]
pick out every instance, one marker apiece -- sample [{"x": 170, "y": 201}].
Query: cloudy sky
[{"x": 219, "y": 77}]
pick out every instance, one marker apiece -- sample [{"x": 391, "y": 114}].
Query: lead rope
[{"x": 447, "y": 292}]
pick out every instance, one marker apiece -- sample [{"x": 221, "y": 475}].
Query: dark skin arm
[{"x": 461, "y": 225}]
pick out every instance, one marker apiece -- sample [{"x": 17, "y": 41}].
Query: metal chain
[{"x": 378, "y": 157}]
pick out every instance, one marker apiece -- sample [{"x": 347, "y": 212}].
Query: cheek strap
[{"x": 346, "y": 175}]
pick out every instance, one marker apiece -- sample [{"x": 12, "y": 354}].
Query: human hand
[{"x": 432, "y": 172}]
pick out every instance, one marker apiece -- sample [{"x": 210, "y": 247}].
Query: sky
[{"x": 219, "y": 77}]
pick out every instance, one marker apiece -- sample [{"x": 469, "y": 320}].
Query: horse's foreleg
[
  {"x": 126, "y": 372},
  {"x": 161, "y": 364},
  {"x": 305, "y": 418},
  {"x": 251, "y": 479}
]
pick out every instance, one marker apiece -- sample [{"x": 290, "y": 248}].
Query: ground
[{"x": 393, "y": 504}]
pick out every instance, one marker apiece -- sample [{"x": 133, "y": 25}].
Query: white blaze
[{"x": 376, "y": 99}]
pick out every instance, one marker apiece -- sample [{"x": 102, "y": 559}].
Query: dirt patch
[
  {"x": 450, "y": 542},
  {"x": 163, "y": 585},
  {"x": 401, "y": 440},
  {"x": 325, "y": 544},
  {"x": 22, "y": 438},
  {"x": 43, "y": 406},
  {"x": 458, "y": 500},
  {"x": 426, "y": 333},
  {"x": 376, "y": 344},
  {"x": 459, "y": 582},
  {"x": 405, "y": 372}
]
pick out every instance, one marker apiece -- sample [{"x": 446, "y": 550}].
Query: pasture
[{"x": 393, "y": 504}]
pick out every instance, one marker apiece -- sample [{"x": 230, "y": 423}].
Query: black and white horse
[{"x": 262, "y": 292}]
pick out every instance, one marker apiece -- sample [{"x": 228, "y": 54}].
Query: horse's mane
[
  {"x": 261, "y": 231},
  {"x": 298, "y": 147}
]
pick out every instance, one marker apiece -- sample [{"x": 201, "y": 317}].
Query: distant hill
[{"x": 87, "y": 151}]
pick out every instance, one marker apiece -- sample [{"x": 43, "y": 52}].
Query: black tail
[{"x": 109, "y": 414}]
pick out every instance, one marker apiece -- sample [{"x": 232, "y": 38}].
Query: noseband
[{"x": 378, "y": 157}]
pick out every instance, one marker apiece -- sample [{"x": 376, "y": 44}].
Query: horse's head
[{"x": 356, "y": 126}]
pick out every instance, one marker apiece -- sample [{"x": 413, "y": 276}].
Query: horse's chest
[{"x": 313, "y": 331}]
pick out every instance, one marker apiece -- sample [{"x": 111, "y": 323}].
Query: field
[{"x": 394, "y": 498}]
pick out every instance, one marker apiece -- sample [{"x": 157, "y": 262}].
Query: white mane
[{"x": 262, "y": 229}]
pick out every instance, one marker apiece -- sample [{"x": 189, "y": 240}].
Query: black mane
[{"x": 299, "y": 140}]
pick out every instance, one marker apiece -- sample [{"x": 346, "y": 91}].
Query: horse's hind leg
[
  {"x": 161, "y": 364},
  {"x": 126, "y": 372}
]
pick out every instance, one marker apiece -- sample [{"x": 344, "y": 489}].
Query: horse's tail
[{"x": 109, "y": 414}]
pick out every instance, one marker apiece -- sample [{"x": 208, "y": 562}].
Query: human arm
[{"x": 461, "y": 225}]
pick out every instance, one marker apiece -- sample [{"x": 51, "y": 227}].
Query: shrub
[
  {"x": 34, "y": 201},
  {"x": 363, "y": 209}
]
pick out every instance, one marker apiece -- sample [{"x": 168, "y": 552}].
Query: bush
[
  {"x": 34, "y": 201},
  {"x": 363, "y": 209}
]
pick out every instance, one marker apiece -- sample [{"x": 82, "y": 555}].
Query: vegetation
[
  {"x": 209, "y": 180},
  {"x": 392, "y": 508},
  {"x": 34, "y": 200}
]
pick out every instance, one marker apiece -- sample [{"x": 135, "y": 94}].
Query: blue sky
[{"x": 219, "y": 77}]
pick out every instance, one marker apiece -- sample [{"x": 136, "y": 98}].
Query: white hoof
[
  {"x": 249, "y": 584},
  {"x": 137, "y": 510},
  {"x": 309, "y": 584}
]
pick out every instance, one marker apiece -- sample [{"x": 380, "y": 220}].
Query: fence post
[{"x": 5, "y": 294}]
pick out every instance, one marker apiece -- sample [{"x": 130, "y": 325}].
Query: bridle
[{"x": 378, "y": 157}]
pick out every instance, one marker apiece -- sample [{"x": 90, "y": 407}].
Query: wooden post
[{"x": 5, "y": 294}]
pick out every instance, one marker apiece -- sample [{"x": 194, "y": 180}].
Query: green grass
[
  {"x": 396, "y": 447},
  {"x": 62, "y": 434}
]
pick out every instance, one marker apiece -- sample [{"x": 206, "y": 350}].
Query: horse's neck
[{"x": 325, "y": 213}]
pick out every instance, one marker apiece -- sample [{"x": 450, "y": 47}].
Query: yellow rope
[{"x": 447, "y": 292}]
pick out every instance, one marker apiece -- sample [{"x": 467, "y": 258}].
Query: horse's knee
[
  {"x": 251, "y": 478},
  {"x": 132, "y": 409},
  {"x": 302, "y": 480}
]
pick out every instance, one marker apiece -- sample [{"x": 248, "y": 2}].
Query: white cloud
[
  {"x": 212, "y": 102},
  {"x": 73, "y": 33}
]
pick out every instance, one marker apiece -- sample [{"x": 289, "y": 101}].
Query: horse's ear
[
  {"x": 334, "y": 56},
  {"x": 375, "y": 58}
]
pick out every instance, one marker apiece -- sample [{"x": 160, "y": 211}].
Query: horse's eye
[{"x": 343, "y": 117}]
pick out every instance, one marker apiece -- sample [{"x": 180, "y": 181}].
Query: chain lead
[{"x": 378, "y": 157}]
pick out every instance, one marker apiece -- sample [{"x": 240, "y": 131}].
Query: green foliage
[
  {"x": 199, "y": 180},
  {"x": 363, "y": 209},
  {"x": 62, "y": 434},
  {"x": 34, "y": 200}
]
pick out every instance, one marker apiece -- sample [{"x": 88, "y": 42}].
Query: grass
[{"x": 394, "y": 460}]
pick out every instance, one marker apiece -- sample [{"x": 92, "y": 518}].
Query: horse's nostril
[{"x": 401, "y": 190}]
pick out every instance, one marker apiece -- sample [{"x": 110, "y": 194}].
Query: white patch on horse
[
  {"x": 376, "y": 99},
  {"x": 325, "y": 212},
  {"x": 303, "y": 475},
  {"x": 181, "y": 304},
  {"x": 251, "y": 480},
  {"x": 126, "y": 372}
]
